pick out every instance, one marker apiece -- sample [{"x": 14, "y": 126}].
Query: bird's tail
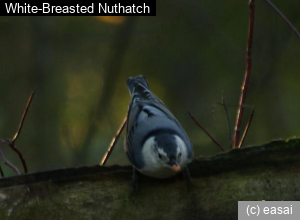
[
  {"x": 133, "y": 82},
  {"x": 139, "y": 89}
]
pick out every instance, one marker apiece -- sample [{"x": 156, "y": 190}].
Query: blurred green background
[{"x": 192, "y": 52}]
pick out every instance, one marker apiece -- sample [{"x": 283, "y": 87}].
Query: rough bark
[{"x": 268, "y": 172}]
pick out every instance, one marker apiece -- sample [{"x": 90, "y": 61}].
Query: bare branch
[
  {"x": 12, "y": 143},
  {"x": 283, "y": 17},
  {"x": 228, "y": 119},
  {"x": 7, "y": 163},
  {"x": 206, "y": 132},
  {"x": 23, "y": 118},
  {"x": 113, "y": 143},
  {"x": 240, "y": 112},
  {"x": 20, "y": 155},
  {"x": 247, "y": 128}
]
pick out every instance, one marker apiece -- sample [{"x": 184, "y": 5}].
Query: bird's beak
[{"x": 175, "y": 166}]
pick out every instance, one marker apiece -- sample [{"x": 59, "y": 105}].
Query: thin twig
[
  {"x": 206, "y": 132},
  {"x": 283, "y": 17},
  {"x": 240, "y": 112},
  {"x": 247, "y": 128},
  {"x": 7, "y": 163},
  {"x": 20, "y": 155},
  {"x": 228, "y": 119},
  {"x": 12, "y": 143},
  {"x": 23, "y": 118},
  {"x": 113, "y": 143}
]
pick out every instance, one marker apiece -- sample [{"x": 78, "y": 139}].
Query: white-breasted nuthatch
[{"x": 156, "y": 144}]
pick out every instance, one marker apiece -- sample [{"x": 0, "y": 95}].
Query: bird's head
[{"x": 164, "y": 153}]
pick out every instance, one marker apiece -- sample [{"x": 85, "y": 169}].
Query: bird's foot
[
  {"x": 187, "y": 177},
  {"x": 134, "y": 183}
]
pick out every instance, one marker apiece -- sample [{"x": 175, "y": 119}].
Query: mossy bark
[{"x": 268, "y": 172}]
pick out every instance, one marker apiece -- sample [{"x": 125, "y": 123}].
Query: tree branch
[
  {"x": 20, "y": 155},
  {"x": 269, "y": 172},
  {"x": 207, "y": 133},
  {"x": 247, "y": 128},
  {"x": 12, "y": 142},
  {"x": 294, "y": 29},
  {"x": 113, "y": 143},
  {"x": 240, "y": 112},
  {"x": 9, "y": 164},
  {"x": 228, "y": 120},
  {"x": 23, "y": 118}
]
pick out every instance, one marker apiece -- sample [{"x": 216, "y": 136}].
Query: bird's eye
[
  {"x": 179, "y": 155},
  {"x": 159, "y": 156}
]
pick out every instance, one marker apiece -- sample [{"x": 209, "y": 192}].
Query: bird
[{"x": 156, "y": 144}]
